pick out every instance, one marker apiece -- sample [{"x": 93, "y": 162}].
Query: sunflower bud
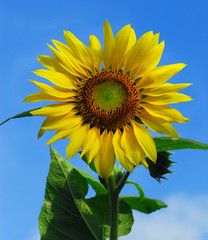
[
  {"x": 160, "y": 168},
  {"x": 118, "y": 173}
]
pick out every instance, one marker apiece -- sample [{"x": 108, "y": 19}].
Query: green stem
[
  {"x": 122, "y": 182},
  {"x": 114, "y": 209},
  {"x": 114, "y": 203}
]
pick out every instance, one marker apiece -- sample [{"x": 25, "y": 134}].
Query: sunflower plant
[{"x": 105, "y": 100}]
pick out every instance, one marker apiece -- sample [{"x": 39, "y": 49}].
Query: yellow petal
[
  {"x": 91, "y": 144},
  {"x": 53, "y": 91},
  {"x": 50, "y": 63},
  {"x": 76, "y": 141},
  {"x": 75, "y": 64},
  {"x": 151, "y": 60},
  {"x": 160, "y": 75},
  {"x": 96, "y": 51},
  {"x": 91, "y": 153},
  {"x": 159, "y": 126},
  {"x": 109, "y": 44},
  {"x": 79, "y": 50},
  {"x": 64, "y": 64},
  {"x": 144, "y": 163},
  {"x": 131, "y": 147},
  {"x": 123, "y": 41},
  {"x": 165, "y": 88},
  {"x": 120, "y": 155},
  {"x": 145, "y": 140},
  {"x": 168, "y": 98},
  {"x": 49, "y": 121},
  {"x": 165, "y": 112},
  {"x": 139, "y": 51},
  {"x": 61, "y": 123},
  {"x": 57, "y": 78},
  {"x": 105, "y": 159},
  {"x": 54, "y": 109},
  {"x": 131, "y": 41},
  {"x": 41, "y": 96},
  {"x": 62, "y": 134},
  {"x": 136, "y": 50}
]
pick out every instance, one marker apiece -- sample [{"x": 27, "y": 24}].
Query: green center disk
[{"x": 109, "y": 95}]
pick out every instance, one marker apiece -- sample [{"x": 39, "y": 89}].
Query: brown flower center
[{"x": 108, "y": 100}]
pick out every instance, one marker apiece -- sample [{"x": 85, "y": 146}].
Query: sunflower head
[{"x": 106, "y": 112}]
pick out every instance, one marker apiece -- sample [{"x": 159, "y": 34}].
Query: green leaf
[
  {"x": 145, "y": 205},
  {"x": 126, "y": 219},
  {"x": 168, "y": 143},
  {"x": 60, "y": 217},
  {"x": 142, "y": 204},
  {"x": 67, "y": 213},
  {"x": 99, "y": 188},
  {"x": 20, "y": 115}
]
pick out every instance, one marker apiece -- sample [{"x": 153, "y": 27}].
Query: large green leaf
[
  {"x": 20, "y": 115},
  {"x": 67, "y": 214},
  {"x": 60, "y": 217},
  {"x": 168, "y": 143}
]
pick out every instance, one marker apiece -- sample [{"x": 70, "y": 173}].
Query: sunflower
[{"x": 106, "y": 99}]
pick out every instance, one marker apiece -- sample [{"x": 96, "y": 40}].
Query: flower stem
[
  {"x": 114, "y": 203},
  {"x": 122, "y": 182},
  {"x": 114, "y": 209}
]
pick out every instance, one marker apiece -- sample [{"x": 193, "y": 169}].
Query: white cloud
[
  {"x": 186, "y": 218},
  {"x": 35, "y": 235}
]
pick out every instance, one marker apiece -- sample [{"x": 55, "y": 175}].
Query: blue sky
[{"x": 26, "y": 27}]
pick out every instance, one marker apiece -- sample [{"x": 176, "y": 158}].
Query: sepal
[{"x": 20, "y": 115}]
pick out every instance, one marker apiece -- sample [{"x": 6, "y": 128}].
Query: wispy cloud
[
  {"x": 186, "y": 218},
  {"x": 35, "y": 235}
]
